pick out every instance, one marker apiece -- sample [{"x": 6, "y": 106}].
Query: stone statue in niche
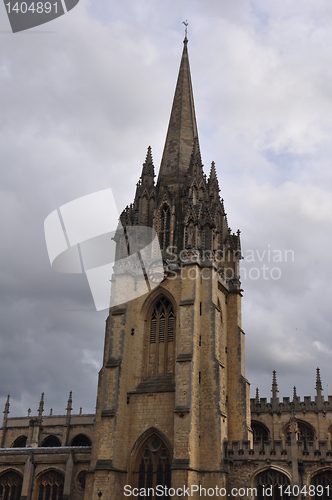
[{"x": 190, "y": 240}]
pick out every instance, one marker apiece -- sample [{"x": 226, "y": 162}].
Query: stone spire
[
  {"x": 213, "y": 183},
  {"x": 319, "y": 388},
  {"x": 213, "y": 175},
  {"x": 294, "y": 394},
  {"x": 257, "y": 396},
  {"x": 182, "y": 129},
  {"x": 148, "y": 175},
  {"x": 41, "y": 406},
  {"x": 275, "y": 389}
]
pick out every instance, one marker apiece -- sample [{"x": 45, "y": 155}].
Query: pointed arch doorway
[{"x": 151, "y": 465}]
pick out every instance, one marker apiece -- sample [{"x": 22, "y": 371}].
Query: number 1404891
[
  {"x": 310, "y": 491},
  {"x": 34, "y": 7}
]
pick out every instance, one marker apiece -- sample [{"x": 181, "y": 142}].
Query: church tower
[{"x": 172, "y": 388}]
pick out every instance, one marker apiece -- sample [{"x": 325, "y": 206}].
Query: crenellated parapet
[
  {"x": 295, "y": 405},
  {"x": 278, "y": 451},
  {"x": 288, "y": 405}
]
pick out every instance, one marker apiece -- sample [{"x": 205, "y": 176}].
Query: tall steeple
[{"x": 182, "y": 128}]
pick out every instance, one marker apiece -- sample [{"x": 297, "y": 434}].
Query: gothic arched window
[
  {"x": 51, "y": 442},
  {"x": 81, "y": 440},
  {"x": 153, "y": 466},
  {"x": 164, "y": 226},
  {"x": 51, "y": 486},
  {"x": 10, "y": 486},
  {"x": 161, "y": 338},
  {"x": 20, "y": 442},
  {"x": 323, "y": 485},
  {"x": 261, "y": 433},
  {"x": 268, "y": 485},
  {"x": 305, "y": 434}
]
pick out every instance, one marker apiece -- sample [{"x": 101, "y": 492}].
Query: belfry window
[
  {"x": 161, "y": 338},
  {"x": 153, "y": 467},
  {"x": 162, "y": 322},
  {"x": 164, "y": 227},
  {"x": 10, "y": 486}
]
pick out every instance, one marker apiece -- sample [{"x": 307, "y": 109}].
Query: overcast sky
[{"x": 81, "y": 100}]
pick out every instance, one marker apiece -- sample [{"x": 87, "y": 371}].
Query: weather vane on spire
[{"x": 186, "y": 30}]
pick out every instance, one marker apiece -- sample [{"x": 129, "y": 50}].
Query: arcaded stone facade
[{"x": 173, "y": 407}]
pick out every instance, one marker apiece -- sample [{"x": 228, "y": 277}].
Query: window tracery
[
  {"x": 51, "y": 486},
  {"x": 305, "y": 434},
  {"x": 153, "y": 466},
  {"x": 274, "y": 479},
  {"x": 161, "y": 338},
  {"x": 10, "y": 486},
  {"x": 260, "y": 433}
]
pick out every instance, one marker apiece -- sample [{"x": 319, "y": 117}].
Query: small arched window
[
  {"x": 20, "y": 442},
  {"x": 51, "y": 486},
  {"x": 81, "y": 480},
  {"x": 161, "y": 338},
  {"x": 274, "y": 479},
  {"x": 164, "y": 227},
  {"x": 51, "y": 442},
  {"x": 81, "y": 440},
  {"x": 10, "y": 486},
  {"x": 153, "y": 466}
]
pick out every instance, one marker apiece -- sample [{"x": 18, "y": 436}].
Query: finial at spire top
[{"x": 185, "y": 31}]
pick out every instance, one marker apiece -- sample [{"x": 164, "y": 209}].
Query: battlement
[
  {"x": 287, "y": 405},
  {"x": 318, "y": 405},
  {"x": 278, "y": 450}
]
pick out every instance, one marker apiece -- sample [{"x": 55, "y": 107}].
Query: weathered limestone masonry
[
  {"x": 292, "y": 439},
  {"x": 173, "y": 369},
  {"x": 173, "y": 407},
  {"x": 39, "y": 450}
]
